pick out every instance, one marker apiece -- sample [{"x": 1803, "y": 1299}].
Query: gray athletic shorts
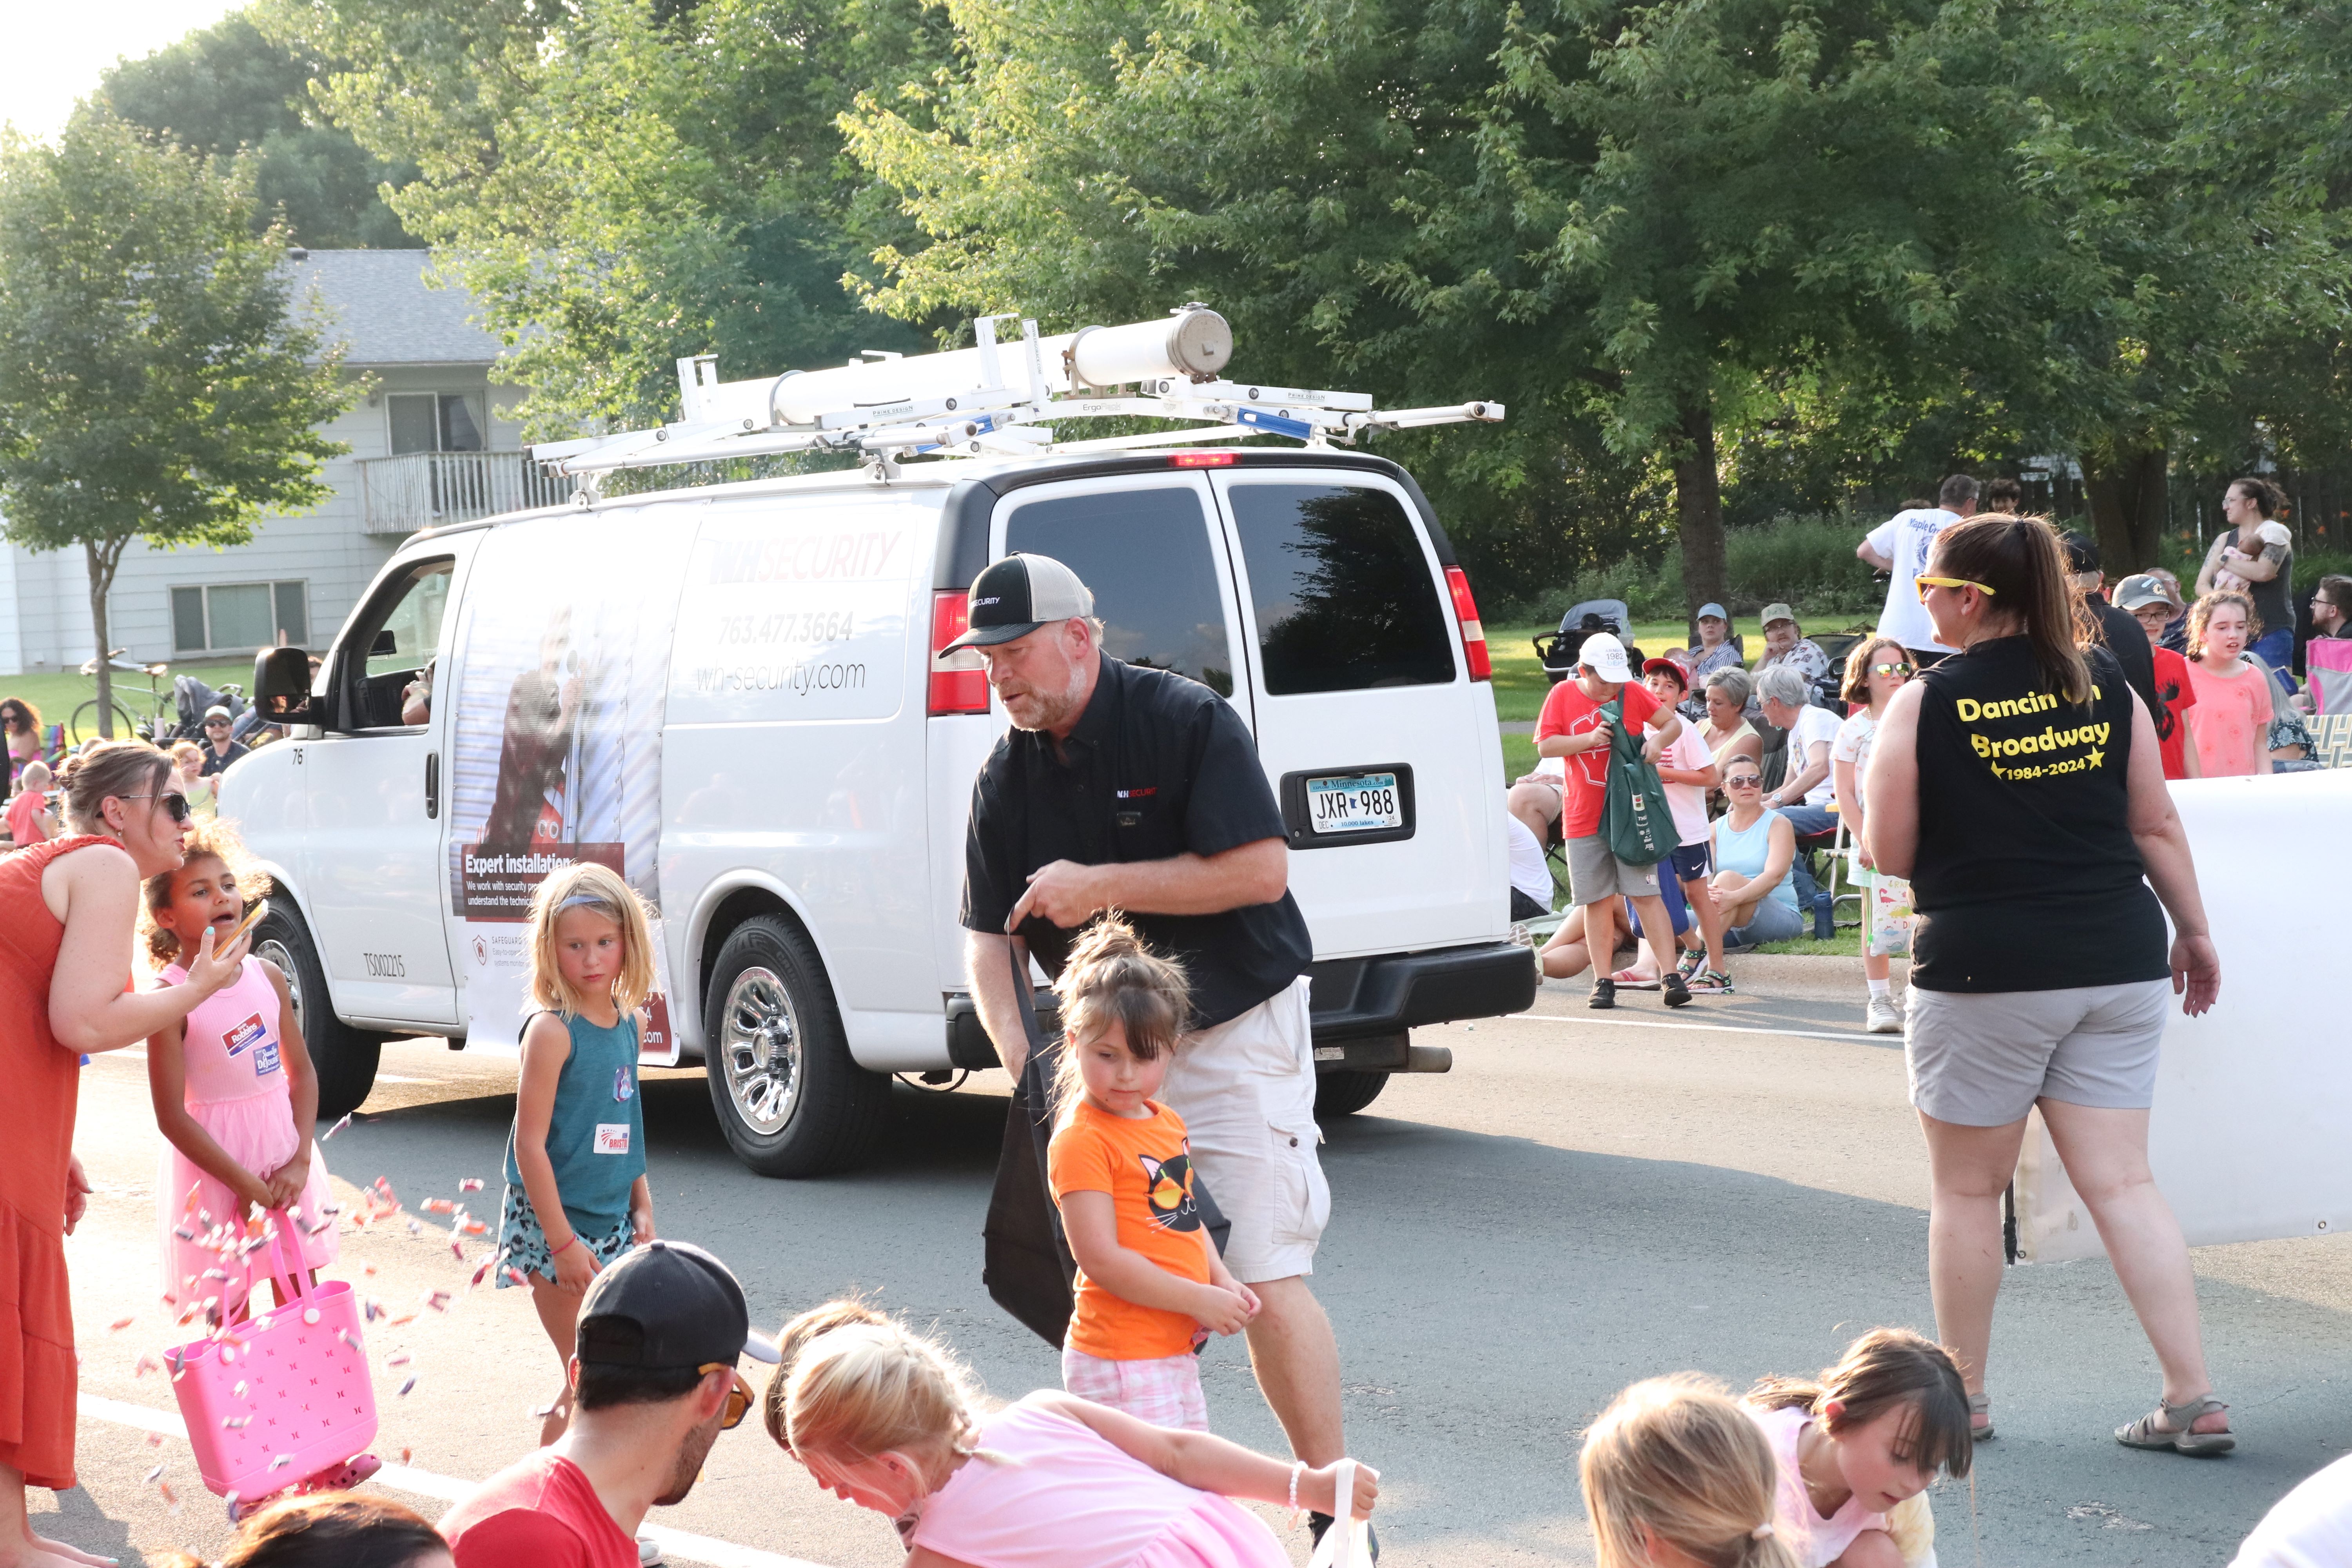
[
  {"x": 1982, "y": 1059},
  {"x": 1595, "y": 874}
]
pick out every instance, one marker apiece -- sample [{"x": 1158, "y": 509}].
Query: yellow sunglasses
[
  {"x": 739, "y": 1398},
  {"x": 1925, "y": 584}
]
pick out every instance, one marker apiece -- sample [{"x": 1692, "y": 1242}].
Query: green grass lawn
[{"x": 57, "y": 696}]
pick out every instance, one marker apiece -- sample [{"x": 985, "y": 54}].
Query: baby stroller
[
  {"x": 191, "y": 698},
  {"x": 1557, "y": 651}
]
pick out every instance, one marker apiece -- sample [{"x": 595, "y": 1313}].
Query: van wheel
[
  {"x": 344, "y": 1058},
  {"x": 1345, "y": 1093},
  {"x": 789, "y": 1097}
]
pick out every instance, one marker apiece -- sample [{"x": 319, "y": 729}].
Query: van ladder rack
[{"x": 963, "y": 403}]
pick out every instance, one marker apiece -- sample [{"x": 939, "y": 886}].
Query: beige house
[{"x": 427, "y": 447}]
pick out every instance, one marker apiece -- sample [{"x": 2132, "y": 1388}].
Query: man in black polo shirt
[
  {"x": 1128, "y": 788},
  {"x": 2120, "y": 631}
]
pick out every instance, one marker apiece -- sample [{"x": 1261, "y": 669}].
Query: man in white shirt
[{"x": 1900, "y": 545}]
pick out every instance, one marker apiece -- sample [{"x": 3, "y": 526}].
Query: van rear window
[
  {"x": 1145, "y": 555},
  {"x": 1344, "y": 597}
]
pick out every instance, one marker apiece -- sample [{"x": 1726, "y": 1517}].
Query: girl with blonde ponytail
[
  {"x": 1676, "y": 1476},
  {"x": 885, "y": 1418}
]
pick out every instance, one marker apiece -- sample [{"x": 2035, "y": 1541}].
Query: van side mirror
[
  {"x": 385, "y": 645},
  {"x": 281, "y": 686}
]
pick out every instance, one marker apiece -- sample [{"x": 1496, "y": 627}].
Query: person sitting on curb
[
  {"x": 1804, "y": 797},
  {"x": 1574, "y": 726},
  {"x": 1753, "y": 850},
  {"x": 654, "y": 1384}
]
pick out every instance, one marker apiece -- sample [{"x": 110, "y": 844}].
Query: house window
[
  {"x": 238, "y": 615},
  {"x": 435, "y": 422}
]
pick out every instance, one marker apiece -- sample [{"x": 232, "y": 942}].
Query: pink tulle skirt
[
  {"x": 258, "y": 1133},
  {"x": 1218, "y": 1532}
]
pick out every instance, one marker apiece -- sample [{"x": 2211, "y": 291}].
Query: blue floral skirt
[{"x": 524, "y": 1244}]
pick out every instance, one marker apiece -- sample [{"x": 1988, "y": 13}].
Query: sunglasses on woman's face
[
  {"x": 174, "y": 801},
  {"x": 1890, "y": 669},
  {"x": 1745, "y": 780},
  {"x": 1924, "y": 583}
]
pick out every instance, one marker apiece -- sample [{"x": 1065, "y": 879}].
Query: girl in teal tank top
[{"x": 576, "y": 1194}]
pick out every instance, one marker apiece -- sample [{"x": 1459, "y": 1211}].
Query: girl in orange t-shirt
[{"x": 1151, "y": 1284}]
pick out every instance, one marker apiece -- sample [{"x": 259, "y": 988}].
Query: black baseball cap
[
  {"x": 665, "y": 1306},
  {"x": 2082, "y": 555},
  {"x": 1016, "y": 595}
]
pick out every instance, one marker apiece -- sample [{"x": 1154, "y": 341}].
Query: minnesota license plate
[{"x": 1353, "y": 803}]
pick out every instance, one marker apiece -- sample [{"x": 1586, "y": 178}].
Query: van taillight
[
  {"x": 958, "y": 680},
  {"x": 1474, "y": 636}
]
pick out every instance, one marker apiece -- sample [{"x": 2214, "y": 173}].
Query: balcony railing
[{"x": 425, "y": 490}]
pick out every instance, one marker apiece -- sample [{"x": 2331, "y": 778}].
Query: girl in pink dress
[
  {"x": 884, "y": 1418},
  {"x": 234, "y": 1092},
  {"x": 2233, "y": 697}
]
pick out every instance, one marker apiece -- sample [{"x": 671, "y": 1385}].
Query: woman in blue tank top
[
  {"x": 576, "y": 1194},
  {"x": 2018, "y": 786}
]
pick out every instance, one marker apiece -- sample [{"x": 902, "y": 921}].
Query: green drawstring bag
[{"x": 1634, "y": 820}]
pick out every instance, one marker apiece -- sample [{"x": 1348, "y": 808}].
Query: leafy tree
[
  {"x": 228, "y": 91},
  {"x": 1636, "y": 225},
  {"x": 622, "y": 183},
  {"x": 154, "y": 384}
]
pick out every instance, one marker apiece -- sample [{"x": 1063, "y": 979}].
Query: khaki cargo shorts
[{"x": 1245, "y": 1089}]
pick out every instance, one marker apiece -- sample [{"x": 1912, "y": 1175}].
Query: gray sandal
[
  {"x": 2182, "y": 1438},
  {"x": 1980, "y": 1405}
]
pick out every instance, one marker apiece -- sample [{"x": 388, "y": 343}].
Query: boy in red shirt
[
  {"x": 2149, "y": 605},
  {"x": 1573, "y": 726}
]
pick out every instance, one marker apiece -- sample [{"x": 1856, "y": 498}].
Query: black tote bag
[{"x": 1025, "y": 1257}]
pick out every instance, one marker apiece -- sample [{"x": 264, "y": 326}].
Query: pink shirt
[
  {"x": 2233, "y": 720},
  {"x": 232, "y": 1046},
  {"x": 1063, "y": 1495},
  {"x": 1816, "y": 1541}
]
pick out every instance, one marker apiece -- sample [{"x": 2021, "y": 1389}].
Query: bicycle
[{"x": 83, "y": 725}]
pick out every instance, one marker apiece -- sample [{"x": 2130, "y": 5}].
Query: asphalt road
[{"x": 1583, "y": 1201}]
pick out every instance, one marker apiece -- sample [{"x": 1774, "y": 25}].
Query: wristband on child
[{"x": 555, "y": 1252}]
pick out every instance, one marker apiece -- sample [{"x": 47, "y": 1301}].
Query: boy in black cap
[{"x": 654, "y": 1384}]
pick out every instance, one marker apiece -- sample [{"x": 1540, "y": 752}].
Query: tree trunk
[
  {"x": 1698, "y": 505},
  {"x": 2125, "y": 485},
  {"x": 102, "y": 579}
]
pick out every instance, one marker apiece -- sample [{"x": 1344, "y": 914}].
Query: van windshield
[
  {"x": 1344, "y": 597},
  {"x": 1145, "y": 555}
]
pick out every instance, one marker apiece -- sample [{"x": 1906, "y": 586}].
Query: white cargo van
[{"x": 731, "y": 695}]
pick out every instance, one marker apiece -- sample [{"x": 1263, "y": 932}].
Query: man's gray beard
[{"x": 1051, "y": 711}]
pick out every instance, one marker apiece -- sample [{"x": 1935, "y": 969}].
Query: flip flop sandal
[
  {"x": 1633, "y": 979},
  {"x": 2145, "y": 1433},
  {"x": 1980, "y": 1405}
]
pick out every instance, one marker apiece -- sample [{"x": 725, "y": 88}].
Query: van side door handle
[{"x": 433, "y": 783}]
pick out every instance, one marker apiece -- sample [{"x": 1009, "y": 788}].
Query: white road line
[
  {"x": 425, "y": 1483},
  {"x": 1615, "y": 1023},
  {"x": 395, "y": 1078}
]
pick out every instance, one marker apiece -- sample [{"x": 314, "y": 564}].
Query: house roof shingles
[{"x": 378, "y": 304}]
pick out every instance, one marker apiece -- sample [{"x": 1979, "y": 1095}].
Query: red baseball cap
[{"x": 1655, "y": 665}]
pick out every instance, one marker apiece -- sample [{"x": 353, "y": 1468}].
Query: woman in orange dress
[{"x": 64, "y": 989}]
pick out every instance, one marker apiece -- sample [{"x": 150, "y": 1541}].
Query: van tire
[
  {"x": 824, "y": 1113},
  {"x": 344, "y": 1058},
  {"x": 1345, "y": 1092}
]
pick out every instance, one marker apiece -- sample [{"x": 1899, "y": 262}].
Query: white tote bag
[{"x": 1349, "y": 1542}]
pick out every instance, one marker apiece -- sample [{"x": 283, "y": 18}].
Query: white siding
[{"x": 44, "y": 599}]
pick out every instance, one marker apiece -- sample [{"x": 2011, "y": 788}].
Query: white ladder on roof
[{"x": 994, "y": 399}]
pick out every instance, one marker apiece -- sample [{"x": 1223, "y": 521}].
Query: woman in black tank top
[{"x": 2018, "y": 786}]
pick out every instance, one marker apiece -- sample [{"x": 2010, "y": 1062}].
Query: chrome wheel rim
[
  {"x": 760, "y": 1050},
  {"x": 274, "y": 950}
]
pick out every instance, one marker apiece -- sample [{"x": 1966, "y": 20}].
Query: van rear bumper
[{"x": 1363, "y": 1007}]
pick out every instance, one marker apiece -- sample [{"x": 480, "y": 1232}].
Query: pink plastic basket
[{"x": 286, "y": 1395}]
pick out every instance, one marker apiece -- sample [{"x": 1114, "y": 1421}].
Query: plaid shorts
[{"x": 1166, "y": 1392}]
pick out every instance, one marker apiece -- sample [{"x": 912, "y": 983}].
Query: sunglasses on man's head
[{"x": 172, "y": 801}]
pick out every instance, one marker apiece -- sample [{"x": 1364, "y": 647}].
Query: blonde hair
[
  {"x": 1112, "y": 977},
  {"x": 859, "y": 1384},
  {"x": 1678, "y": 1459},
  {"x": 188, "y": 754},
  {"x": 2200, "y": 616},
  {"x": 795, "y": 1339},
  {"x": 35, "y": 774},
  {"x": 585, "y": 885},
  {"x": 110, "y": 769},
  {"x": 214, "y": 840}
]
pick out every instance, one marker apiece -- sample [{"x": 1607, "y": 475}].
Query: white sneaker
[
  {"x": 649, "y": 1552},
  {"x": 1881, "y": 1016}
]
